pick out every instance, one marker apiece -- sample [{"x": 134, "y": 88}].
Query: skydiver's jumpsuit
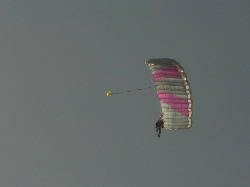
[{"x": 159, "y": 125}]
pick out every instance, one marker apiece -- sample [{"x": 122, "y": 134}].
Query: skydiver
[{"x": 159, "y": 125}]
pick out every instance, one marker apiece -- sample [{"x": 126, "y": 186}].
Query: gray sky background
[{"x": 58, "y": 58}]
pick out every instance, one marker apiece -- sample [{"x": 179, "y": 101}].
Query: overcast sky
[{"x": 58, "y": 58}]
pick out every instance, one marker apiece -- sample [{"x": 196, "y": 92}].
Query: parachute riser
[{"x": 109, "y": 93}]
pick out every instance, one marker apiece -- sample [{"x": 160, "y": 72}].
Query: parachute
[{"x": 173, "y": 91}]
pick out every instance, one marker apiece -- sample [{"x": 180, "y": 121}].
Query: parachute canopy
[{"x": 173, "y": 91}]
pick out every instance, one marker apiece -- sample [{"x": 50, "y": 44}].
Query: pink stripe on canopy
[
  {"x": 177, "y": 103},
  {"x": 168, "y": 72}
]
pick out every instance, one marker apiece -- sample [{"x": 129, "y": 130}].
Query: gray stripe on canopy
[
  {"x": 160, "y": 61},
  {"x": 175, "y": 120},
  {"x": 176, "y": 126},
  {"x": 166, "y": 106},
  {"x": 169, "y": 83},
  {"x": 183, "y": 93},
  {"x": 160, "y": 65},
  {"x": 164, "y": 110},
  {"x": 171, "y": 88}
]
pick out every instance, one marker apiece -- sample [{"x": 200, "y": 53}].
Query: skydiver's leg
[{"x": 159, "y": 134}]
